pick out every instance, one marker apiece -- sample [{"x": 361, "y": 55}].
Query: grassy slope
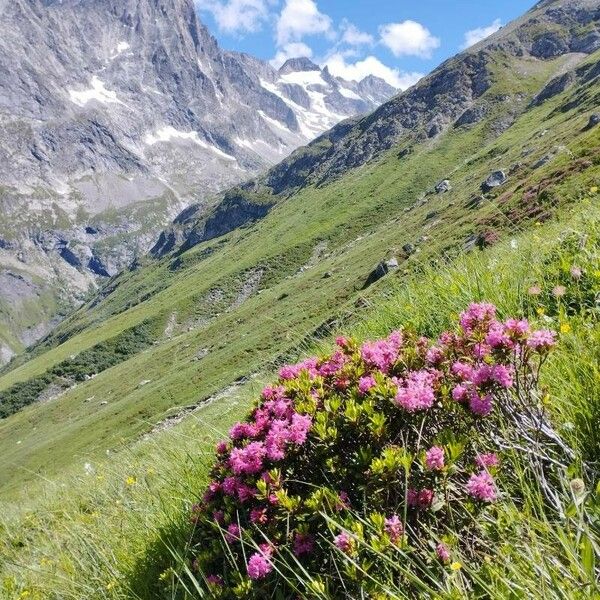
[
  {"x": 363, "y": 217},
  {"x": 106, "y": 534}
]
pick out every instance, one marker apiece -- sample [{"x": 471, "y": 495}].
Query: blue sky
[{"x": 399, "y": 40}]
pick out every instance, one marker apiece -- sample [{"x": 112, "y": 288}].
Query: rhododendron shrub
[{"x": 386, "y": 447}]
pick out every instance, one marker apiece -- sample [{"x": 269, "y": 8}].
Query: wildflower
[
  {"x": 481, "y": 487},
  {"x": 233, "y": 533},
  {"x": 259, "y": 566},
  {"x": 241, "y": 431},
  {"x": 366, "y": 383},
  {"x": 463, "y": 371},
  {"x": 258, "y": 516},
  {"x": 382, "y": 353},
  {"x": 559, "y": 291},
  {"x": 214, "y": 580},
  {"x": 422, "y": 499},
  {"x": 502, "y": 375},
  {"x": 517, "y": 327},
  {"x": 343, "y": 502},
  {"x": 542, "y": 339},
  {"x": 534, "y": 290},
  {"x": 487, "y": 460},
  {"x": 341, "y": 341},
  {"x": 481, "y": 405},
  {"x": 456, "y": 566},
  {"x": 434, "y": 458},
  {"x": 229, "y": 486},
  {"x": 476, "y": 315},
  {"x": 442, "y": 552},
  {"x": 577, "y": 487},
  {"x": 417, "y": 393},
  {"x": 344, "y": 543},
  {"x": 460, "y": 393},
  {"x": 304, "y": 543},
  {"x": 394, "y": 528},
  {"x": 565, "y": 328},
  {"x": 219, "y": 516},
  {"x": 131, "y": 480},
  {"x": 247, "y": 460},
  {"x": 434, "y": 355},
  {"x": 222, "y": 447},
  {"x": 576, "y": 272}
]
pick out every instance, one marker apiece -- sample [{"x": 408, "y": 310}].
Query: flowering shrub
[{"x": 376, "y": 449}]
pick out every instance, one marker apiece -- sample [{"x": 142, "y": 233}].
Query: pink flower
[
  {"x": 417, "y": 392},
  {"x": 487, "y": 460},
  {"x": 259, "y": 566},
  {"x": 299, "y": 429},
  {"x": 534, "y": 290},
  {"x": 542, "y": 340},
  {"x": 233, "y": 533},
  {"x": 245, "y": 493},
  {"x": 476, "y": 316},
  {"x": 248, "y": 460},
  {"x": 442, "y": 552},
  {"x": 460, "y": 393},
  {"x": 333, "y": 366},
  {"x": 420, "y": 498},
  {"x": 481, "y": 405},
  {"x": 304, "y": 543},
  {"x": 344, "y": 543},
  {"x": 258, "y": 516},
  {"x": 394, "y": 528},
  {"x": 559, "y": 291},
  {"x": 341, "y": 341},
  {"x": 343, "y": 502},
  {"x": 576, "y": 272},
  {"x": 463, "y": 371},
  {"x": 219, "y": 516},
  {"x": 214, "y": 580},
  {"x": 434, "y": 458},
  {"x": 502, "y": 375},
  {"x": 482, "y": 375},
  {"x": 241, "y": 431},
  {"x": 366, "y": 383},
  {"x": 222, "y": 447},
  {"x": 434, "y": 355},
  {"x": 382, "y": 353},
  {"x": 481, "y": 487},
  {"x": 230, "y": 485},
  {"x": 517, "y": 328}
]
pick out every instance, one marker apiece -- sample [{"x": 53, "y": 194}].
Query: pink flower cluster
[
  {"x": 287, "y": 452},
  {"x": 382, "y": 354}
]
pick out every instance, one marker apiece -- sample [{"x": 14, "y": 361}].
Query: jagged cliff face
[{"x": 115, "y": 116}]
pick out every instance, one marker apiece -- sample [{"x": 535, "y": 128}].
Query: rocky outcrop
[{"x": 496, "y": 179}]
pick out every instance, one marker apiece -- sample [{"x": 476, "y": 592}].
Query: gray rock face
[
  {"x": 443, "y": 186},
  {"x": 496, "y": 179},
  {"x": 117, "y": 114}
]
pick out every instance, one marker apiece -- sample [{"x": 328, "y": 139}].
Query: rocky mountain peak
[{"x": 295, "y": 65}]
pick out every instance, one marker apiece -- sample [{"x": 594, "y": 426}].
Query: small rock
[
  {"x": 408, "y": 249},
  {"x": 496, "y": 179},
  {"x": 431, "y": 215},
  {"x": 327, "y": 275},
  {"x": 144, "y": 382},
  {"x": 594, "y": 120},
  {"x": 104, "y": 403},
  {"x": 443, "y": 186},
  {"x": 542, "y": 161}
]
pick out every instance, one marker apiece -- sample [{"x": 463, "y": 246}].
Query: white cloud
[
  {"x": 408, "y": 38},
  {"x": 299, "y": 18},
  {"x": 237, "y": 16},
  {"x": 353, "y": 36},
  {"x": 291, "y": 50},
  {"x": 370, "y": 65},
  {"x": 474, "y": 36}
]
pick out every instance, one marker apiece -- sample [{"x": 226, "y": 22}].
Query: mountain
[
  {"x": 501, "y": 137},
  {"x": 454, "y": 96},
  {"x": 118, "y": 114}
]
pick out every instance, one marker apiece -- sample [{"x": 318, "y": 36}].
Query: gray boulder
[
  {"x": 496, "y": 179},
  {"x": 594, "y": 121},
  {"x": 443, "y": 186}
]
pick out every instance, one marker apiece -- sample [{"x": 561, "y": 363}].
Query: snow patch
[
  {"x": 349, "y": 94},
  {"x": 304, "y": 78},
  {"x": 97, "y": 92},
  {"x": 168, "y": 134}
]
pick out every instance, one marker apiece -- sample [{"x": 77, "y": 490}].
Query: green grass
[{"x": 113, "y": 533}]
